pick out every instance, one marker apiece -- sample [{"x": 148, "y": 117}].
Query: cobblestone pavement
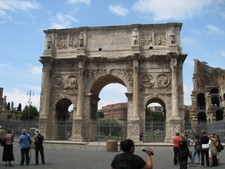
[{"x": 71, "y": 156}]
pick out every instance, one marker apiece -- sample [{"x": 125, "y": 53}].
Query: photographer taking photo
[{"x": 128, "y": 159}]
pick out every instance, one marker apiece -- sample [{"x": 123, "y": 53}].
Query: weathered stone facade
[
  {"x": 116, "y": 111},
  {"x": 208, "y": 96},
  {"x": 79, "y": 62}
]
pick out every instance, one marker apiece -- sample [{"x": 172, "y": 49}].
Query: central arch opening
[{"x": 109, "y": 107}]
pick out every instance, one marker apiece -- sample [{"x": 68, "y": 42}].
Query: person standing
[
  {"x": 25, "y": 144},
  {"x": 129, "y": 158},
  {"x": 38, "y": 141},
  {"x": 184, "y": 152},
  {"x": 176, "y": 148},
  {"x": 141, "y": 138},
  {"x": 8, "y": 148},
  {"x": 213, "y": 144},
  {"x": 197, "y": 150},
  {"x": 204, "y": 139}
]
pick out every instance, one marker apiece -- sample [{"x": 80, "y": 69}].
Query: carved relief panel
[
  {"x": 153, "y": 80},
  {"x": 65, "y": 81},
  {"x": 160, "y": 37},
  {"x": 146, "y": 37},
  {"x": 62, "y": 41}
]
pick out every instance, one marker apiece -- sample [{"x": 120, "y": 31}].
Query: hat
[{"x": 37, "y": 131}]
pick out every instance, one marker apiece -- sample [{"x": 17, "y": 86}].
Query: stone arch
[
  {"x": 96, "y": 88},
  {"x": 62, "y": 126},
  {"x": 201, "y": 101},
  {"x": 155, "y": 127},
  {"x": 219, "y": 115},
  {"x": 215, "y": 101},
  {"x": 157, "y": 99},
  {"x": 202, "y": 117}
]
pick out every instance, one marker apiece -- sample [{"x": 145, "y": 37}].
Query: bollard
[{"x": 111, "y": 145}]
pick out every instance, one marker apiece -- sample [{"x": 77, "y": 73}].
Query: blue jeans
[{"x": 198, "y": 152}]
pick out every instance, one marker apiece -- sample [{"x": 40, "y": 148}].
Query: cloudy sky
[{"x": 22, "y": 39}]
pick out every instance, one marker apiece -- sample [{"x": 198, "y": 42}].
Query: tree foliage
[
  {"x": 154, "y": 116},
  {"x": 109, "y": 127},
  {"x": 19, "y": 108},
  {"x": 100, "y": 115},
  {"x": 31, "y": 112}
]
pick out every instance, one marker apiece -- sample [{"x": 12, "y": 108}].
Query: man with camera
[{"x": 128, "y": 159}]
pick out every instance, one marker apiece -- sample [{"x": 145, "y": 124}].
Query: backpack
[{"x": 125, "y": 163}]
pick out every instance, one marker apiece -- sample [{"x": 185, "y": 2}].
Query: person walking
[
  {"x": 8, "y": 148},
  {"x": 176, "y": 148},
  {"x": 204, "y": 139},
  {"x": 129, "y": 159},
  {"x": 197, "y": 150},
  {"x": 38, "y": 141},
  {"x": 25, "y": 144},
  {"x": 184, "y": 152}
]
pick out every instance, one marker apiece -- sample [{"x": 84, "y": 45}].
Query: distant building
[
  {"x": 208, "y": 96},
  {"x": 1, "y": 99},
  {"x": 156, "y": 108},
  {"x": 116, "y": 111},
  {"x": 6, "y": 113}
]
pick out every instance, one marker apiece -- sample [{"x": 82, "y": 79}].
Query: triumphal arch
[{"x": 79, "y": 62}]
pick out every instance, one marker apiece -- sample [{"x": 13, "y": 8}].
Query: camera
[{"x": 147, "y": 150}]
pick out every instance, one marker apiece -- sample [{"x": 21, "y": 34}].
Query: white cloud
[
  {"x": 171, "y": 9},
  {"x": 111, "y": 94},
  {"x": 223, "y": 53},
  {"x": 17, "y": 96},
  {"x": 7, "y": 6},
  {"x": 188, "y": 40},
  {"x": 187, "y": 96},
  {"x": 118, "y": 10},
  {"x": 63, "y": 21},
  {"x": 36, "y": 70},
  {"x": 87, "y": 2},
  {"x": 214, "y": 29}
]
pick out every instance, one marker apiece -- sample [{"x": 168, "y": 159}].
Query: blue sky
[{"x": 22, "y": 39}]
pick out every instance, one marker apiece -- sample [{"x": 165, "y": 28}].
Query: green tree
[
  {"x": 100, "y": 115},
  {"x": 30, "y": 111},
  {"x": 154, "y": 116}
]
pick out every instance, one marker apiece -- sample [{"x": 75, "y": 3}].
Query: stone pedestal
[
  {"x": 172, "y": 126},
  {"x": 111, "y": 145}
]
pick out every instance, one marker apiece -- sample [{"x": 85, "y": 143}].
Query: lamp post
[{"x": 30, "y": 93}]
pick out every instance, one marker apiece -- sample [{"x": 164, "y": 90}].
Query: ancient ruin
[
  {"x": 208, "y": 96},
  {"x": 79, "y": 62}
]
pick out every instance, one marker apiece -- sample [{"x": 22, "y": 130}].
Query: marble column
[
  {"x": 135, "y": 89},
  {"x": 45, "y": 91},
  {"x": 80, "y": 98},
  {"x": 175, "y": 105}
]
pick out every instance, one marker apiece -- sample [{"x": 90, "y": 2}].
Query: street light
[{"x": 30, "y": 93}]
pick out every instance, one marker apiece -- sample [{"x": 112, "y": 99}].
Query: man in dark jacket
[{"x": 38, "y": 141}]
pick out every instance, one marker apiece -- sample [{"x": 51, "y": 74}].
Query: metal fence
[
  {"x": 154, "y": 131},
  {"x": 17, "y": 126},
  {"x": 216, "y": 127}
]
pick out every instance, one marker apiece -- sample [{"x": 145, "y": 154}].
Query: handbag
[
  {"x": 3, "y": 143},
  {"x": 219, "y": 147},
  {"x": 205, "y": 146}
]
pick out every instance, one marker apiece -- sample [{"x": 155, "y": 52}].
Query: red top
[{"x": 176, "y": 141}]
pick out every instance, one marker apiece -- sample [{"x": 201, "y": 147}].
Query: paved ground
[{"x": 71, "y": 156}]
